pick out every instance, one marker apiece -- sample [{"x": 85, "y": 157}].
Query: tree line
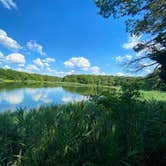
[
  {"x": 8, "y": 74},
  {"x": 145, "y": 83}
]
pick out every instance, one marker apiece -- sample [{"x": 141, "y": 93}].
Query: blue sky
[{"x": 62, "y": 37}]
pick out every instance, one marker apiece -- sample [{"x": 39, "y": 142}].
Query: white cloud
[
  {"x": 32, "y": 68},
  {"x": 54, "y": 72},
  {"x": 132, "y": 41},
  {"x": 43, "y": 62},
  {"x": 148, "y": 71},
  {"x": 59, "y": 73},
  {"x": 8, "y": 42},
  {"x": 120, "y": 74},
  {"x": 95, "y": 70},
  {"x": 123, "y": 58},
  {"x": 1, "y": 55},
  {"x": 83, "y": 64},
  {"x": 71, "y": 72},
  {"x": 9, "y": 4},
  {"x": 21, "y": 65},
  {"x": 69, "y": 64},
  {"x": 119, "y": 58},
  {"x": 123, "y": 74},
  {"x": 21, "y": 69},
  {"x": 38, "y": 62},
  {"x": 6, "y": 67},
  {"x": 16, "y": 58},
  {"x": 46, "y": 64},
  {"x": 128, "y": 57},
  {"x": 79, "y": 62},
  {"x": 35, "y": 47},
  {"x": 50, "y": 71},
  {"x": 49, "y": 60}
]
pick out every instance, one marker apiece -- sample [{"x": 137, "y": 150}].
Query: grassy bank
[{"x": 114, "y": 130}]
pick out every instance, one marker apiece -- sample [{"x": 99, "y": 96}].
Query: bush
[{"x": 104, "y": 131}]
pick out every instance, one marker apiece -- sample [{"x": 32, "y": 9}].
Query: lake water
[
  {"x": 30, "y": 97},
  {"x": 14, "y": 96}
]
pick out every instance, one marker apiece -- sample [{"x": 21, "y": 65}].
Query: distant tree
[{"x": 144, "y": 17}]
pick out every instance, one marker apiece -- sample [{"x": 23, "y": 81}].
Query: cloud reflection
[
  {"x": 13, "y": 97},
  {"x": 67, "y": 99},
  {"x": 35, "y": 97},
  {"x": 39, "y": 95}
]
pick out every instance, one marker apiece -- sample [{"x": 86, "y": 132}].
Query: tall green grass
[
  {"x": 155, "y": 95},
  {"x": 108, "y": 130}
]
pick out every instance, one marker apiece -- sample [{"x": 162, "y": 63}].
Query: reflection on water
[
  {"x": 33, "y": 97},
  {"x": 13, "y": 97}
]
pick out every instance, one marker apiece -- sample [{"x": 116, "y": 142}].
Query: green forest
[
  {"x": 143, "y": 83},
  {"x": 8, "y": 75}
]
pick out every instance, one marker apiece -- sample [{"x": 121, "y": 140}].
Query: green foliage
[
  {"x": 144, "y": 17},
  {"x": 147, "y": 83},
  {"x": 107, "y": 130},
  {"x": 130, "y": 91},
  {"x": 93, "y": 81},
  {"x": 25, "y": 77}
]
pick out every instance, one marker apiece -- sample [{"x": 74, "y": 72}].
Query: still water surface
[{"x": 27, "y": 97}]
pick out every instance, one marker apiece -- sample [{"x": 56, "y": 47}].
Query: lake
[{"x": 13, "y": 97}]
